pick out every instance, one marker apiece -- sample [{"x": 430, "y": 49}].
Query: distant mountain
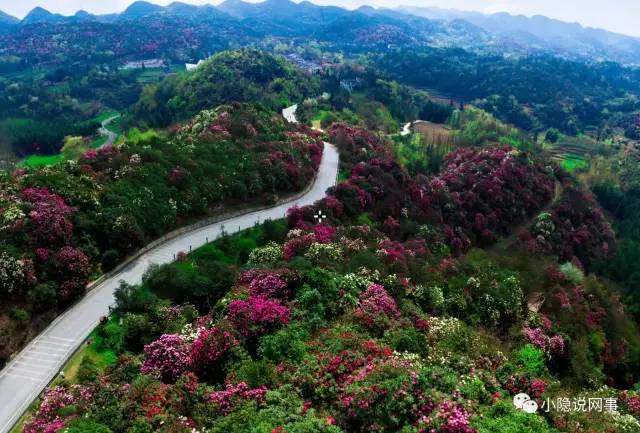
[
  {"x": 7, "y": 22},
  {"x": 140, "y": 9},
  {"x": 41, "y": 15},
  {"x": 543, "y": 33},
  {"x": 8, "y": 19}
]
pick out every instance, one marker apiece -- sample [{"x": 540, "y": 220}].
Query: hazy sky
[{"x": 617, "y": 15}]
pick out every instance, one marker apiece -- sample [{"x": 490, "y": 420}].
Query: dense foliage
[
  {"x": 366, "y": 322},
  {"x": 64, "y": 224}
]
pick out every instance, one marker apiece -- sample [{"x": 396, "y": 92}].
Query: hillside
[
  {"x": 64, "y": 225},
  {"x": 240, "y": 76},
  {"x": 391, "y": 314}
]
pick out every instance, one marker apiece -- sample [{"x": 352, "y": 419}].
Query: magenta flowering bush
[
  {"x": 376, "y": 309},
  {"x": 257, "y": 316},
  {"x": 72, "y": 262},
  {"x": 269, "y": 285},
  {"x": 49, "y": 216},
  {"x": 168, "y": 357},
  {"x": 324, "y": 234},
  {"x": 453, "y": 418},
  {"x": 227, "y": 399}
]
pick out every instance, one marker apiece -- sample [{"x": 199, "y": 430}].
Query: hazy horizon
[{"x": 617, "y": 15}]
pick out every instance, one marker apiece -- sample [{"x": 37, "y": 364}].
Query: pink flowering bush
[
  {"x": 376, "y": 309},
  {"x": 257, "y": 316},
  {"x": 168, "y": 357},
  {"x": 269, "y": 285},
  {"x": 51, "y": 416},
  {"x": 48, "y": 216},
  {"x": 226, "y": 400},
  {"x": 453, "y": 418},
  {"x": 324, "y": 234}
]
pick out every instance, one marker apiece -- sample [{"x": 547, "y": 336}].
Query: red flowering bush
[
  {"x": 257, "y": 316},
  {"x": 210, "y": 348},
  {"x": 168, "y": 357},
  {"x": 72, "y": 263},
  {"x": 580, "y": 233}
]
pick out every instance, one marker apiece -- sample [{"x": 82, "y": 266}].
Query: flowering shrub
[
  {"x": 72, "y": 263},
  {"x": 168, "y": 357},
  {"x": 51, "y": 416},
  {"x": 296, "y": 246},
  {"x": 210, "y": 347},
  {"x": 324, "y": 234},
  {"x": 226, "y": 400},
  {"x": 11, "y": 273},
  {"x": 270, "y": 255},
  {"x": 580, "y": 230},
  {"x": 48, "y": 216},
  {"x": 257, "y": 316},
  {"x": 327, "y": 253},
  {"x": 376, "y": 308},
  {"x": 269, "y": 285}
]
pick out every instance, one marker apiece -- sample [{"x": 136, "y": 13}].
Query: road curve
[
  {"x": 104, "y": 131},
  {"x": 24, "y": 378}
]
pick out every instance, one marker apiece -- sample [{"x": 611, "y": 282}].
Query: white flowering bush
[
  {"x": 270, "y": 255},
  {"x": 324, "y": 252},
  {"x": 10, "y": 215},
  {"x": 11, "y": 273},
  {"x": 441, "y": 327},
  {"x": 357, "y": 282}
]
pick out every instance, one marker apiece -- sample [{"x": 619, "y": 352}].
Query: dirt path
[{"x": 519, "y": 229}]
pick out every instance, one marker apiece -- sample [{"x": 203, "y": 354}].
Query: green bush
[
  {"x": 44, "y": 296},
  {"x": 82, "y": 425},
  {"x": 256, "y": 373},
  {"x": 19, "y": 315},
  {"x": 110, "y": 260},
  {"x": 287, "y": 344},
  {"x": 88, "y": 371},
  {"x": 504, "y": 418},
  {"x": 407, "y": 340},
  {"x": 531, "y": 360}
]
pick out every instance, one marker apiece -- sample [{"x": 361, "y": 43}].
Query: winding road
[
  {"x": 104, "y": 131},
  {"x": 29, "y": 372}
]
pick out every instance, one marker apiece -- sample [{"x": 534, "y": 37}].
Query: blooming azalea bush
[
  {"x": 168, "y": 357},
  {"x": 257, "y": 316},
  {"x": 376, "y": 309}
]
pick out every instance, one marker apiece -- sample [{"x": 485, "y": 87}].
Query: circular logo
[{"x": 524, "y": 403}]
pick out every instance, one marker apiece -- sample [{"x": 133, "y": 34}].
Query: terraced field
[{"x": 572, "y": 152}]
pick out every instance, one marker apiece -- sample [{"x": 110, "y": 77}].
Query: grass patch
[
  {"x": 572, "y": 163},
  {"x": 104, "y": 116},
  {"x": 37, "y": 161}
]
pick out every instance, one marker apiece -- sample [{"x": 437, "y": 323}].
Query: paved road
[
  {"x": 111, "y": 136},
  {"x": 31, "y": 370},
  {"x": 289, "y": 113}
]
